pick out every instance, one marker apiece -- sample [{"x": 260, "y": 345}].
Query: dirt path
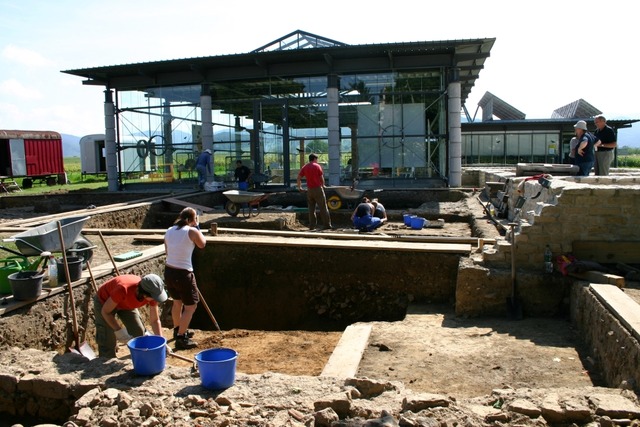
[{"x": 434, "y": 351}]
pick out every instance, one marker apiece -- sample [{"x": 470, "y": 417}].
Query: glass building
[{"x": 371, "y": 112}]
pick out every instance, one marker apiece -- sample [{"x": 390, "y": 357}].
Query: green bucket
[{"x": 9, "y": 266}]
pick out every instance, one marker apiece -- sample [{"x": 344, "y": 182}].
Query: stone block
[
  {"x": 418, "y": 402},
  {"x": 8, "y": 383},
  {"x": 525, "y": 407},
  {"x": 25, "y": 384},
  {"x": 51, "y": 388},
  {"x": 614, "y": 406}
]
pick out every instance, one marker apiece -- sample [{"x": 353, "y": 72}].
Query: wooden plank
[
  {"x": 607, "y": 252},
  {"x": 32, "y": 222},
  {"x": 621, "y": 305},
  {"x": 175, "y": 201},
  {"x": 357, "y": 236},
  {"x": 600, "y": 277},
  {"x": 346, "y": 356},
  {"x": 283, "y": 233},
  {"x": 453, "y": 248}
]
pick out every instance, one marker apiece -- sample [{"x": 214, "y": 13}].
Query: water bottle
[
  {"x": 53, "y": 272},
  {"x": 548, "y": 260}
]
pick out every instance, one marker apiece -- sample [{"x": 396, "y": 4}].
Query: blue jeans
[
  {"x": 585, "y": 168},
  {"x": 366, "y": 223},
  {"x": 202, "y": 175}
]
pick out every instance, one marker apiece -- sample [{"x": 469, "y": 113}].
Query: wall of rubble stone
[
  {"x": 483, "y": 290},
  {"x": 587, "y": 208},
  {"x": 611, "y": 346},
  {"x": 57, "y": 388}
]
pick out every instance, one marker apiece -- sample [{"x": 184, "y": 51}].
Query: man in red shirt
[
  {"x": 122, "y": 296},
  {"x": 312, "y": 171}
]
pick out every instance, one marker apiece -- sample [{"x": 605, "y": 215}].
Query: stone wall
[
  {"x": 587, "y": 208},
  {"x": 614, "y": 351},
  {"x": 483, "y": 291}
]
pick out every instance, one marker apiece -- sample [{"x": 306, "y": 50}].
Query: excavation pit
[{"x": 438, "y": 343}]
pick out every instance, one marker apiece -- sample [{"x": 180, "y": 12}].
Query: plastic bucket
[
  {"x": 8, "y": 266},
  {"x": 148, "y": 353},
  {"x": 26, "y": 285},
  {"x": 417, "y": 223},
  {"x": 217, "y": 367},
  {"x": 75, "y": 268},
  {"x": 407, "y": 219}
]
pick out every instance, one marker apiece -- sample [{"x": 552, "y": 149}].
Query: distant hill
[{"x": 70, "y": 145}]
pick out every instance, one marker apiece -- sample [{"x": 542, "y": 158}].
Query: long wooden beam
[{"x": 457, "y": 248}]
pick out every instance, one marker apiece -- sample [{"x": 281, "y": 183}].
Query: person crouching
[
  {"x": 119, "y": 299},
  {"x": 362, "y": 217}
]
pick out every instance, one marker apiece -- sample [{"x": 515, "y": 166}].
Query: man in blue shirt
[{"x": 203, "y": 166}]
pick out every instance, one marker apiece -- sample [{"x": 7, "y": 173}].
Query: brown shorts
[{"x": 181, "y": 285}]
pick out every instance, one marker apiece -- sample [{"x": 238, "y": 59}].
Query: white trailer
[{"x": 93, "y": 158}]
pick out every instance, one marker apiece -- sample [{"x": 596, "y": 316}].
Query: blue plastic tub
[
  {"x": 148, "y": 353},
  {"x": 417, "y": 223},
  {"x": 217, "y": 367},
  {"x": 407, "y": 219}
]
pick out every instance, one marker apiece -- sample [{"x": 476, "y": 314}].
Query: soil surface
[{"x": 431, "y": 350}]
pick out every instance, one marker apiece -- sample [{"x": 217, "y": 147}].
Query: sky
[{"x": 547, "y": 53}]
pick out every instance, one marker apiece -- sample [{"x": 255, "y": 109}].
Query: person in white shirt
[{"x": 179, "y": 242}]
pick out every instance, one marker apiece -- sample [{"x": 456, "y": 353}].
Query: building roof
[
  {"x": 494, "y": 106},
  {"x": 564, "y": 125},
  {"x": 576, "y": 109},
  {"x": 299, "y": 54}
]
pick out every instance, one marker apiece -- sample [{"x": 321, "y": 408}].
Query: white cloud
[
  {"x": 13, "y": 88},
  {"x": 26, "y": 57}
]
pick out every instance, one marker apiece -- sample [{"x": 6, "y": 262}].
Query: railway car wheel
[
  {"x": 27, "y": 183},
  {"x": 232, "y": 208}
]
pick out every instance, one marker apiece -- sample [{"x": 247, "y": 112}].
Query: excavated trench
[{"x": 263, "y": 283}]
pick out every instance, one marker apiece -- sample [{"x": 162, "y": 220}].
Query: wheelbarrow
[
  {"x": 246, "y": 201},
  {"x": 44, "y": 238},
  {"x": 343, "y": 195}
]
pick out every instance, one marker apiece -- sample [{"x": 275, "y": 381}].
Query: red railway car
[{"x": 32, "y": 155}]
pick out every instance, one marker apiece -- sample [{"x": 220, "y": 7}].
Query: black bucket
[
  {"x": 26, "y": 285},
  {"x": 75, "y": 268}
]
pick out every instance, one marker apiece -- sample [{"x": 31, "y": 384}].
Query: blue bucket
[
  {"x": 407, "y": 219},
  {"x": 417, "y": 222},
  {"x": 148, "y": 353},
  {"x": 217, "y": 367}
]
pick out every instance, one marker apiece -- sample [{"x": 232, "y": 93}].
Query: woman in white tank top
[{"x": 179, "y": 243}]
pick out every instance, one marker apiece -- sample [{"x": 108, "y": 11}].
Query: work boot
[
  {"x": 183, "y": 342},
  {"x": 189, "y": 333}
]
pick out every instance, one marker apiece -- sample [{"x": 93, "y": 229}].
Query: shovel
[
  {"x": 514, "y": 307},
  {"x": 170, "y": 352},
  {"x": 113, "y": 261},
  {"x": 206, "y": 307},
  {"x": 81, "y": 348}
]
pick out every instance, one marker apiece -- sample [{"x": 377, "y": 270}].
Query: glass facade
[
  {"x": 512, "y": 147},
  {"x": 391, "y": 126}
]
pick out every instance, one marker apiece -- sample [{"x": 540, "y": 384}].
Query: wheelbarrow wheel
[
  {"x": 232, "y": 208},
  {"x": 79, "y": 249},
  {"x": 334, "y": 202}
]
